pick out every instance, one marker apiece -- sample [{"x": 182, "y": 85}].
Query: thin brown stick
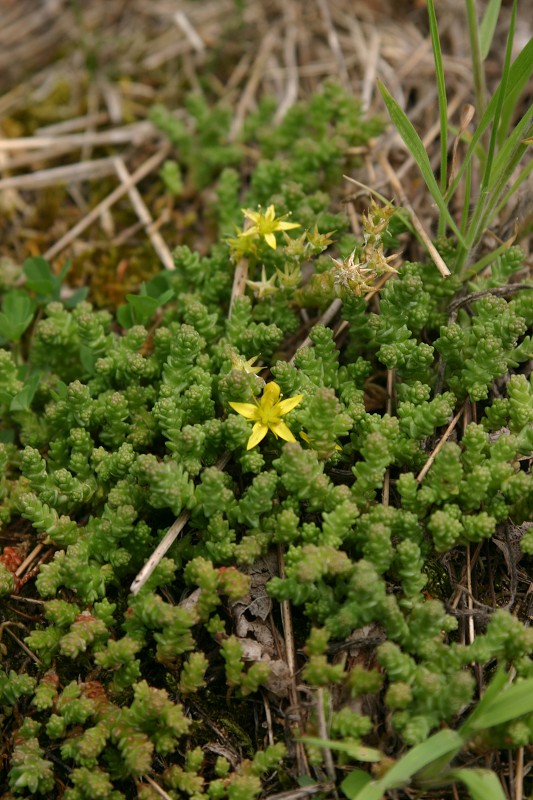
[
  {"x": 268, "y": 718},
  {"x": 469, "y": 603},
  {"x": 134, "y": 134},
  {"x": 144, "y": 170},
  {"x": 247, "y": 96},
  {"x": 167, "y": 541},
  {"x": 158, "y": 243},
  {"x": 371, "y": 67},
  {"x": 301, "y": 794},
  {"x": 69, "y": 125},
  {"x": 22, "y": 645},
  {"x": 323, "y": 733},
  {"x": 291, "y": 63},
  {"x": 156, "y": 787},
  {"x": 29, "y": 558},
  {"x": 194, "y": 38},
  {"x": 86, "y": 170},
  {"x": 519, "y": 775},
  {"x": 333, "y": 41},
  {"x": 423, "y": 472},
  {"x": 390, "y": 392},
  {"x": 417, "y": 225},
  {"x": 290, "y": 656},
  {"x": 460, "y": 589}
]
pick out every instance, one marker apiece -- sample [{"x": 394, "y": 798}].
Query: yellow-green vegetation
[{"x": 338, "y": 610}]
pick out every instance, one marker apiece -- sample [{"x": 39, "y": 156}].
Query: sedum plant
[{"x": 123, "y": 432}]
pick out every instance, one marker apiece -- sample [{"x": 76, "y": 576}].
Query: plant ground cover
[{"x": 266, "y": 401}]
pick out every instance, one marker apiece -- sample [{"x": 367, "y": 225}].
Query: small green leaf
[
  {"x": 76, "y": 298},
  {"x": 39, "y": 275},
  {"x": 16, "y": 315},
  {"x": 22, "y": 400},
  {"x": 352, "y": 748},
  {"x": 125, "y": 316},
  {"x": 416, "y": 147},
  {"x": 482, "y": 784},
  {"x": 443, "y": 743},
  {"x": 488, "y": 26},
  {"x": 88, "y": 359},
  {"x": 354, "y": 782},
  {"x": 508, "y": 704},
  {"x": 306, "y": 780},
  {"x": 142, "y": 307}
]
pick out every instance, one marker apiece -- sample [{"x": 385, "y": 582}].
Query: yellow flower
[
  {"x": 265, "y": 225},
  {"x": 239, "y": 363},
  {"x": 264, "y": 287},
  {"x": 267, "y": 413}
]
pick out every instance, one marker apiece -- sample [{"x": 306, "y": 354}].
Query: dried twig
[
  {"x": 145, "y": 169},
  {"x": 425, "y": 469},
  {"x": 158, "y": 243},
  {"x": 167, "y": 541},
  {"x": 156, "y": 787},
  {"x": 417, "y": 225},
  {"x": 86, "y": 170}
]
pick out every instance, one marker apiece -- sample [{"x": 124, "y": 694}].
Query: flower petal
[
  {"x": 247, "y": 410},
  {"x": 270, "y": 213},
  {"x": 270, "y": 396},
  {"x": 283, "y": 431},
  {"x": 270, "y": 239},
  {"x": 287, "y": 405},
  {"x": 286, "y": 226},
  {"x": 249, "y": 214},
  {"x": 252, "y": 231},
  {"x": 259, "y": 431}
]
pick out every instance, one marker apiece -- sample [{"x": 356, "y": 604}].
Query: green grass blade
[
  {"x": 354, "y": 782},
  {"x": 352, "y": 748},
  {"x": 519, "y": 75},
  {"x": 512, "y": 143},
  {"x": 488, "y": 26},
  {"x": 492, "y": 691},
  {"x": 488, "y": 259},
  {"x": 510, "y": 703},
  {"x": 502, "y": 184},
  {"x": 415, "y": 146},
  {"x": 475, "y": 53},
  {"x": 485, "y": 180},
  {"x": 446, "y": 742},
  {"x": 524, "y": 174},
  {"x": 443, "y": 103},
  {"x": 482, "y": 784},
  {"x": 516, "y": 88}
]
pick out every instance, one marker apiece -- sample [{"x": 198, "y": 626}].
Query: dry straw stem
[
  {"x": 5, "y": 626},
  {"x": 426, "y": 239},
  {"x": 145, "y": 169},
  {"x": 156, "y": 787},
  {"x": 158, "y": 243},
  {"x": 256, "y": 76},
  {"x": 29, "y": 559},
  {"x": 86, "y": 170},
  {"x": 445, "y": 436},
  {"x": 135, "y": 134},
  {"x": 303, "y": 792}
]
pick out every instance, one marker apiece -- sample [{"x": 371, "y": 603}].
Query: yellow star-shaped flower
[
  {"x": 265, "y": 225},
  {"x": 267, "y": 413},
  {"x": 264, "y": 287},
  {"x": 239, "y": 363}
]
